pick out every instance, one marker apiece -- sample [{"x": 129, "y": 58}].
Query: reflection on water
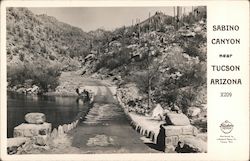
[{"x": 58, "y": 110}]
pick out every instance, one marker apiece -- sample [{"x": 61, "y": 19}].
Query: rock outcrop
[{"x": 33, "y": 90}]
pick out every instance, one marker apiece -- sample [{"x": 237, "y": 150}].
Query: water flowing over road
[{"x": 106, "y": 129}]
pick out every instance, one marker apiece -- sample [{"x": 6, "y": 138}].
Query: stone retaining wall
[
  {"x": 150, "y": 132},
  {"x": 175, "y": 134}
]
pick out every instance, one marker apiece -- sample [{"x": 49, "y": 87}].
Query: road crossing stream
[{"x": 106, "y": 129}]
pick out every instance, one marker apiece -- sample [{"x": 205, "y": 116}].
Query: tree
[{"x": 153, "y": 73}]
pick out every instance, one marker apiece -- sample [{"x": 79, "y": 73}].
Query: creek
[{"x": 58, "y": 110}]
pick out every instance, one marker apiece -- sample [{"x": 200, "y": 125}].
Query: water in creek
[
  {"x": 105, "y": 128},
  {"x": 58, "y": 110}
]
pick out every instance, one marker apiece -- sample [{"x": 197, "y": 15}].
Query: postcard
[{"x": 124, "y": 80}]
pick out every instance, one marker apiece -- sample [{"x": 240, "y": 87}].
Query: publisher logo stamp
[{"x": 226, "y": 127}]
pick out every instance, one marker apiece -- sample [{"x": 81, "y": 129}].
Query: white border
[{"x": 215, "y": 151}]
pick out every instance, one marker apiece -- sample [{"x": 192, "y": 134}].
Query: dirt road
[{"x": 106, "y": 128}]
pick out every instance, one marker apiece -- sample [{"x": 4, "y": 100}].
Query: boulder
[
  {"x": 89, "y": 57},
  {"x": 113, "y": 90},
  {"x": 28, "y": 90},
  {"x": 169, "y": 149},
  {"x": 12, "y": 150},
  {"x": 175, "y": 108},
  {"x": 202, "y": 136},
  {"x": 197, "y": 29},
  {"x": 133, "y": 46},
  {"x": 188, "y": 34},
  {"x": 28, "y": 146},
  {"x": 204, "y": 106},
  {"x": 40, "y": 149},
  {"x": 13, "y": 144},
  {"x": 35, "y": 89},
  {"x": 115, "y": 44},
  {"x": 184, "y": 148},
  {"x": 196, "y": 144},
  {"x": 21, "y": 90},
  {"x": 194, "y": 111},
  {"x": 157, "y": 112},
  {"x": 30, "y": 130},
  {"x": 165, "y": 112},
  {"x": 177, "y": 119},
  {"x": 41, "y": 140},
  {"x": 35, "y": 118},
  {"x": 117, "y": 78}
]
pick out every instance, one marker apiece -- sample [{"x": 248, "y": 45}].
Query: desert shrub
[
  {"x": 47, "y": 80},
  {"x": 115, "y": 60},
  {"x": 169, "y": 97},
  {"x": 15, "y": 75},
  {"x": 189, "y": 19},
  {"x": 183, "y": 71},
  {"x": 192, "y": 48},
  {"x": 186, "y": 97},
  {"x": 173, "y": 94},
  {"x": 195, "y": 77},
  {"x": 166, "y": 91},
  {"x": 21, "y": 56},
  {"x": 52, "y": 57},
  {"x": 8, "y": 52},
  {"x": 46, "y": 77},
  {"x": 141, "y": 80}
]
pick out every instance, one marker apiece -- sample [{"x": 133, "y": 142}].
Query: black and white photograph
[{"x": 104, "y": 80}]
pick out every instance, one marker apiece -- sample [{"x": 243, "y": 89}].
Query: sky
[{"x": 109, "y": 18}]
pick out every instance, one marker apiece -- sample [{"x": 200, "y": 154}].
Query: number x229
[{"x": 226, "y": 94}]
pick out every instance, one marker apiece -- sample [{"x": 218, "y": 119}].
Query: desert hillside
[
  {"x": 163, "y": 57},
  {"x": 39, "y": 47}
]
